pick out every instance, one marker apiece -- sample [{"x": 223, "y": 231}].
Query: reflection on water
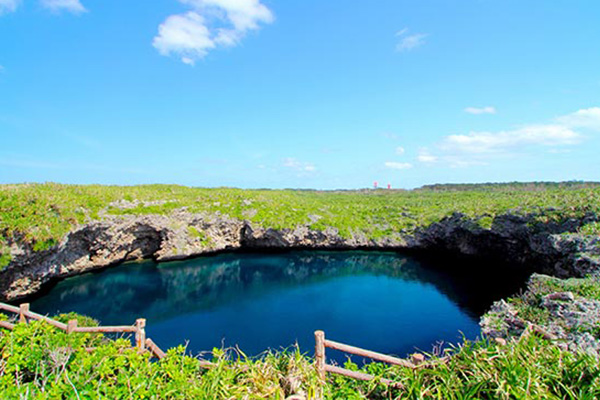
[{"x": 379, "y": 300}]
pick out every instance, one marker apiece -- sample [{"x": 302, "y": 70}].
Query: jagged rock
[
  {"x": 182, "y": 234},
  {"x": 569, "y": 319},
  {"x": 563, "y": 296},
  {"x": 553, "y": 248},
  {"x": 115, "y": 240},
  {"x": 502, "y": 321}
]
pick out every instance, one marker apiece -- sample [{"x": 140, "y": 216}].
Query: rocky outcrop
[
  {"x": 304, "y": 237},
  {"x": 555, "y": 249},
  {"x": 570, "y": 321},
  {"x": 115, "y": 240}
]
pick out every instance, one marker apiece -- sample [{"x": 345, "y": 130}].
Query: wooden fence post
[
  {"x": 320, "y": 354},
  {"x": 417, "y": 358},
  {"x": 140, "y": 334},
  {"x": 71, "y": 326},
  {"x": 23, "y": 308}
]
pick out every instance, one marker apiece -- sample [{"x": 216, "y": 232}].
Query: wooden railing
[
  {"x": 139, "y": 328},
  {"x": 322, "y": 367},
  {"x": 146, "y": 344}
]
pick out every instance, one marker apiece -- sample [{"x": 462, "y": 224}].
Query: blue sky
[{"x": 309, "y": 94}]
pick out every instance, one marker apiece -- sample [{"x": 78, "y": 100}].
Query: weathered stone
[
  {"x": 115, "y": 239},
  {"x": 569, "y": 321},
  {"x": 562, "y": 296}
]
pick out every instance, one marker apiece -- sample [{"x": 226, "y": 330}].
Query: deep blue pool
[{"x": 383, "y": 301}]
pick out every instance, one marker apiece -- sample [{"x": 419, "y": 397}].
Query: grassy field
[
  {"x": 42, "y": 214},
  {"x": 37, "y": 361}
]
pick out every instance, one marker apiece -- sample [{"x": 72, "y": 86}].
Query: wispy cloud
[
  {"x": 400, "y": 150},
  {"x": 407, "y": 42},
  {"x": 588, "y": 118},
  {"x": 72, "y": 6},
  {"x": 493, "y": 142},
  {"x": 298, "y": 166},
  {"x": 425, "y": 157},
  {"x": 8, "y": 6},
  {"x": 210, "y": 24},
  {"x": 477, "y": 148},
  {"x": 397, "y": 165},
  {"x": 480, "y": 110}
]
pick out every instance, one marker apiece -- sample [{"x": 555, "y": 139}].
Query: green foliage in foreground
[
  {"x": 42, "y": 214},
  {"x": 41, "y": 362}
]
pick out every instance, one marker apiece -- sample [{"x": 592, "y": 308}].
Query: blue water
[{"x": 383, "y": 301}]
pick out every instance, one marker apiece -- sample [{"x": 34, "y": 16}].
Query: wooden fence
[
  {"x": 322, "y": 367},
  {"x": 139, "y": 328},
  {"x": 146, "y": 344}
]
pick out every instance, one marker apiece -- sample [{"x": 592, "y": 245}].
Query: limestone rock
[{"x": 553, "y": 249}]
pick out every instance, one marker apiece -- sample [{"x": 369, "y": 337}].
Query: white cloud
[
  {"x": 488, "y": 142},
  {"x": 397, "y": 165},
  {"x": 408, "y": 42},
  {"x": 187, "y": 60},
  {"x": 8, "y": 6},
  {"x": 185, "y": 35},
  {"x": 210, "y": 24},
  {"x": 425, "y": 157},
  {"x": 298, "y": 166},
  {"x": 243, "y": 14},
  {"x": 480, "y": 110},
  {"x": 72, "y": 6},
  {"x": 478, "y": 148},
  {"x": 399, "y": 150},
  {"x": 588, "y": 118}
]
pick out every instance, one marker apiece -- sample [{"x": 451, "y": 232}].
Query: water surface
[{"x": 383, "y": 301}]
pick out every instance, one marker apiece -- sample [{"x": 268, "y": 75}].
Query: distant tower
[
  {"x": 375, "y": 185},
  {"x": 389, "y": 186}
]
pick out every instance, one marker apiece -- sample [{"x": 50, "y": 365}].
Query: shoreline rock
[{"x": 554, "y": 250}]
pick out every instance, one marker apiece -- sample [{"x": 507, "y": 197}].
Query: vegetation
[
  {"x": 41, "y": 362},
  {"x": 528, "y": 186},
  {"x": 200, "y": 235},
  {"x": 593, "y": 228},
  {"x": 42, "y": 214}
]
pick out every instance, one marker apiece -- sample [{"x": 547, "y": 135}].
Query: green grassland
[
  {"x": 38, "y": 361},
  {"x": 42, "y": 214}
]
